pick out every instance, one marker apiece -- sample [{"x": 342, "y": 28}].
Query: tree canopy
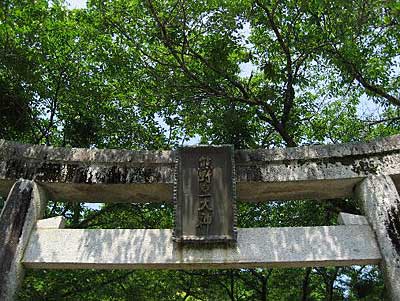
[{"x": 156, "y": 74}]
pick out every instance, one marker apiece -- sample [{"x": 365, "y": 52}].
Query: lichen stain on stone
[
  {"x": 253, "y": 173},
  {"x": 11, "y": 223},
  {"x": 48, "y": 172},
  {"x": 365, "y": 167},
  {"x": 360, "y": 164},
  {"x": 287, "y": 163},
  {"x": 151, "y": 176},
  {"x": 20, "y": 169},
  {"x": 116, "y": 174},
  {"x": 113, "y": 175},
  {"x": 74, "y": 173},
  {"x": 121, "y": 175},
  {"x": 393, "y": 225}
]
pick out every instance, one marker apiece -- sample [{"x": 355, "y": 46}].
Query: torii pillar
[{"x": 381, "y": 203}]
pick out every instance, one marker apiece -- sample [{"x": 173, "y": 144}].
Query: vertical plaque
[{"x": 204, "y": 195}]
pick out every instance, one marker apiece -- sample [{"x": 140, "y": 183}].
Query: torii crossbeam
[{"x": 369, "y": 172}]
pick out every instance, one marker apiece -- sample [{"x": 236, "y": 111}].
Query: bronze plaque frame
[{"x": 205, "y": 195}]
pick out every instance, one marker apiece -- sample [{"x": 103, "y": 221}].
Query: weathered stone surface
[
  {"x": 351, "y": 219},
  {"x": 57, "y": 222},
  {"x": 154, "y": 249},
  {"x": 381, "y": 203},
  {"x": 147, "y": 176},
  {"x": 86, "y": 174},
  {"x": 23, "y": 207},
  {"x": 318, "y": 172}
]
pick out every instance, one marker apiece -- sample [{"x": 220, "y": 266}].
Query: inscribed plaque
[{"x": 204, "y": 195}]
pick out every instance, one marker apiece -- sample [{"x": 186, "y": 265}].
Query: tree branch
[
  {"x": 289, "y": 91},
  {"x": 374, "y": 89}
]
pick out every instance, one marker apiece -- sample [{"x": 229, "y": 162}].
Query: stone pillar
[
  {"x": 24, "y": 205},
  {"x": 381, "y": 203}
]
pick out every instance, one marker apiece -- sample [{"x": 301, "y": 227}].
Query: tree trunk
[
  {"x": 306, "y": 282},
  {"x": 232, "y": 288},
  {"x": 76, "y": 213},
  {"x": 264, "y": 291}
]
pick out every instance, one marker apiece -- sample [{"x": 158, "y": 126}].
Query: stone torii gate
[{"x": 204, "y": 183}]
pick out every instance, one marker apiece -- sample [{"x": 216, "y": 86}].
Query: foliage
[{"x": 154, "y": 74}]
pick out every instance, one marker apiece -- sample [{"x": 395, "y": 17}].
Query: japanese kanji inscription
[{"x": 204, "y": 195}]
